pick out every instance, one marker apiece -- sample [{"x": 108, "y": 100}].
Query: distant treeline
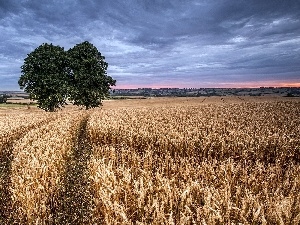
[
  {"x": 3, "y": 98},
  {"x": 206, "y": 92}
]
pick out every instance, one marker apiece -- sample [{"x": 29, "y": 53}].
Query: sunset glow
[{"x": 219, "y": 85}]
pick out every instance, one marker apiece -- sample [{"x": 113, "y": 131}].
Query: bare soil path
[{"x": 74, "y": 200}]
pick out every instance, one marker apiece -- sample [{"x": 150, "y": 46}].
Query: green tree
[
  {"x": 3, "y": 98},
  {"x": 45, "y": 77},
  {"x": 90, "y": 83}
]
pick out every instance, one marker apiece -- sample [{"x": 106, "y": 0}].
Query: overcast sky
[{"x": 162, "y": 43}]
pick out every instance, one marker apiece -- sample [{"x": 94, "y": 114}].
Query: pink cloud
[{"x": 213, "y": 85}]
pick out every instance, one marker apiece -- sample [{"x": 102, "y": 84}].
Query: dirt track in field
[{"x": 74, "y": 199}]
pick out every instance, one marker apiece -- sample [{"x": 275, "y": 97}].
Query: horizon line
[
  {"x": 277, "y": 84},
  {"x": 205, "y": 87},
  {"x": 132, "y": 88}
]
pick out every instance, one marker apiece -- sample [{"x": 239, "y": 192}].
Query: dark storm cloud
[
  {"x": 7, "y": 7},
  {"x": 158, "y": 42}
]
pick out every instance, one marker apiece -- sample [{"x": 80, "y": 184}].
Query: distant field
[
  {"x": 11, "y": 105},
  {"x": 20, "y": 100},
  {"x": 204, "y": 160}
]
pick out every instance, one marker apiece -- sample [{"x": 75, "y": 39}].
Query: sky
[{"x": 162, "y": 43}]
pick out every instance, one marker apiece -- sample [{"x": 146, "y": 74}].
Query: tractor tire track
[
  {"x": 73, "y": 202},
  {"x": 7, "y": 210}
]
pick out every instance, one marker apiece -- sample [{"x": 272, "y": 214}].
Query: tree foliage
[
  {"x": 3, "y": 98},
  {"x": 51, "y": 76},
  {"x": 44, "y": 76},
  {"x": 89, "y": 81}
]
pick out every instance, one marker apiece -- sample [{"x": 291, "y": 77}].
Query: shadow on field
[{"x": 72, "y": 204}]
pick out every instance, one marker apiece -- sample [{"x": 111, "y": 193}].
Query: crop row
[
  {"x": 37, "y": 167},
  {"x": 180, "y": 164},
  {"x": 209, "y": 164},
  {"x": 252, "y": 131}
]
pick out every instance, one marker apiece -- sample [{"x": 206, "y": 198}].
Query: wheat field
[{"x": 217, "y": 160}]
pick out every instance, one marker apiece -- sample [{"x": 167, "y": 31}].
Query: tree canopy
[
  {"x": 89, "y": 80},
  {"x": 51, "y": 76},
  {"x": 3, "y": 98},
  {"x": 44, "y": 76}
]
